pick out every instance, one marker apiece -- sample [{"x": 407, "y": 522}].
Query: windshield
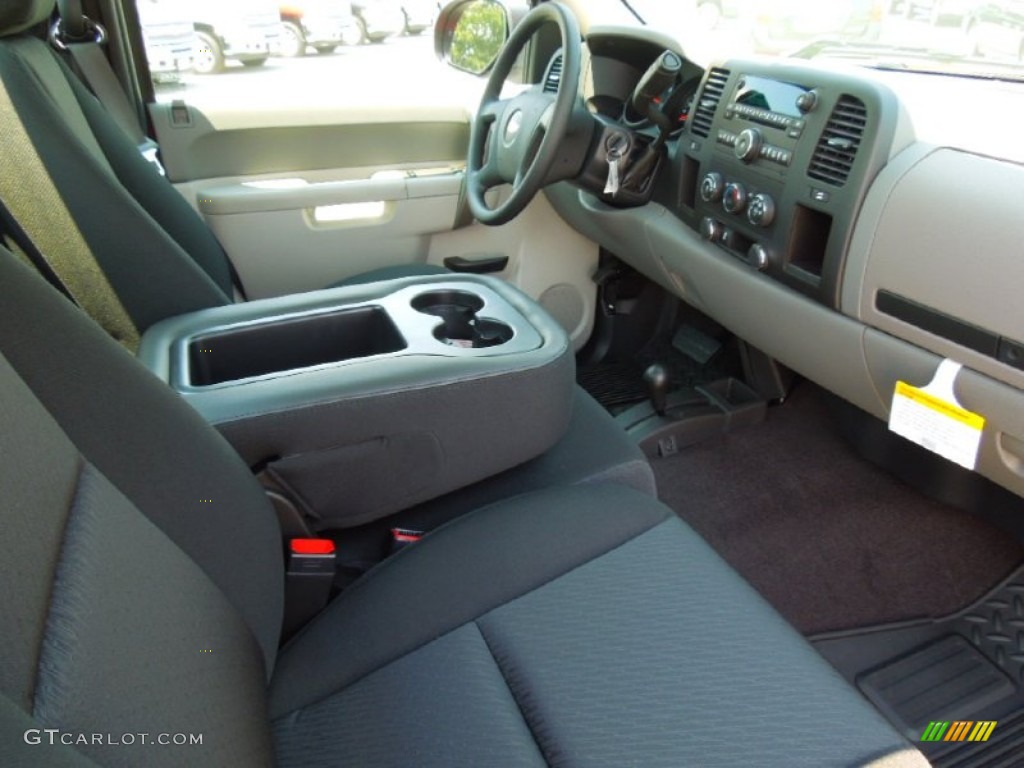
[{"x": 965, "y": 37}]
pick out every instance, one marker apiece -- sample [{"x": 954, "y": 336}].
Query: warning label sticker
[{"x": 932, "y": 418}]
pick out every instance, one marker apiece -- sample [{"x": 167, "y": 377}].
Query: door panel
[
  {"x": 262, "y": 180},
  {"x": 202, "y": 145},
  {"x": 291, "y": 240},
  {"x": 301, "y": 199}
]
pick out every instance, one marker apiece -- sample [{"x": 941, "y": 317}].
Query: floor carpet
[{"x": 830, "y": 540}]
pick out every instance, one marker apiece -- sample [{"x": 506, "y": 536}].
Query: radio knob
[
  {"x": 711, "y": 187},
  {"x": 748, "y": 145},
  {"x": 757, "y": 257},
  {"x": 807, "y": 101},
  {"x": 761, "y": 210},
  {"x": 711, "y": 230},
  {"x": 734, "y": 198}
]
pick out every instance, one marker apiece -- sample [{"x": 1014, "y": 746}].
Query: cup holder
[{"x": 461, "y": 327}]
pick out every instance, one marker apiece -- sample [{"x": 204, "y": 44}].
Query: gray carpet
[{"x": 831, "y": 541}]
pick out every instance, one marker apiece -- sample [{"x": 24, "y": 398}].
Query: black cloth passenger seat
[{"x": 142, "y": 594}]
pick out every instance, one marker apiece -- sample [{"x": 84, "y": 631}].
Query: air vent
[
  {"x": 554, "y": 76},
  {"x": 837, "y": 147},
  {"x": 704, "y": 115}
]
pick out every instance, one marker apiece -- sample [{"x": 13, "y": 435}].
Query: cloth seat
[
  {"x": 573, "y": 626},
  {"x": 511, "y": 637}
]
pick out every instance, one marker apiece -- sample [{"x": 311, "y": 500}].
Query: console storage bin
[{"x": 365, "y": 400}]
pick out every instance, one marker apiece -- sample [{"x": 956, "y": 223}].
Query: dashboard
[
  {"x": 768, "y": 161},
  {"x": 798, "y": 207},
  {"x": 775, "y": 163}
]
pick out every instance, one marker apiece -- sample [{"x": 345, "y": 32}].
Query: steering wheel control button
[
  {"x": 761, "y": 210},
  {"x": 711, "y": 187},
  {"x": 757, "y": 257},
  {"x": 734, "y": 198},
  {"x": 748, "y": 145}
]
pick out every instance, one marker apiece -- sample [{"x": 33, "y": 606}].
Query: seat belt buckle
[
  {"x": 309, "y": 576},
  {"x": 311, "y": 556},
  {"x": 402, "y": 538}
]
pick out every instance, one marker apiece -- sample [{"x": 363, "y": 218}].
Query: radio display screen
[{"x": 772, "y": 95}]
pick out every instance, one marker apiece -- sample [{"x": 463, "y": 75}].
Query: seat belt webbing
[
  {"x": 94, "y": 68},
  {"x": 33, "y": 201},
  {"x": 83, "y": 40}
]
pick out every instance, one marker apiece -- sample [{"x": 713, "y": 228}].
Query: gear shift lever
[{"x": 657, "y": 380}]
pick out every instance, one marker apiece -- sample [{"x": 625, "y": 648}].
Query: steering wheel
[{"x": 516, "y": 141}]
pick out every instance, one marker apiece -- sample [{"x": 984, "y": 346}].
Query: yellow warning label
[{"x": 943, "y": 407}]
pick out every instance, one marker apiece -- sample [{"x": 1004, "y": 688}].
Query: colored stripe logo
[{"x": 959, "y": 730}]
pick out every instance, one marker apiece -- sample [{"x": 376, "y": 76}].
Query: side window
[{"x": 270, "y": 54}]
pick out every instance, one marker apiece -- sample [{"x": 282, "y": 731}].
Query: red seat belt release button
[
  {"x": 311, "y": 556},
  {"x": 308, "y": 580},
  {"x": 403, "y": 537}
]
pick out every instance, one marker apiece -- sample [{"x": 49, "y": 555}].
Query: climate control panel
[
  {"x": 736, "y": 206},
  {"x": 735, "y": 199}
]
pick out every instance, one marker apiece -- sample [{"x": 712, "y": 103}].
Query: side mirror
[{"x": 469, "y": 34}]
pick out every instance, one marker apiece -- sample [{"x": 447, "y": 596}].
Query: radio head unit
[
  {"x": 771, "y": 103},
  {"x": 773, "y": 96}
]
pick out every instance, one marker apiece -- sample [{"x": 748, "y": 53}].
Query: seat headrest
[{"x": 18, "y": 15}]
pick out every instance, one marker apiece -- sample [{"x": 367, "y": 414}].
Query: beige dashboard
[{"x": 932, "y": 269}]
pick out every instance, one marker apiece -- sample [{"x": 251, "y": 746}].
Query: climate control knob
[
  {"x": 757, "y": 257},
  {"x": 734, "y": 198},
  {"x": 761, "y": 210},
  {"x": 711, "y": 230},
  {"x": 711, "y": 187},
  {"x": 748, "y": 145}
]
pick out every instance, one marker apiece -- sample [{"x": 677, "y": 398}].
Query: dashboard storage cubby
[{"x": 362, "y": 401}]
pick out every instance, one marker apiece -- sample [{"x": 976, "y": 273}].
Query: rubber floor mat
[
  {"x": 616, "y": 384},
  {"x": 955, "y": 686},
  {"x": 613, "y": 384}
]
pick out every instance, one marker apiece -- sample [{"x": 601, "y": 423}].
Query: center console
[
  {"x": 774, "y": 165},
  {"x": 358, "y": 402}
]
